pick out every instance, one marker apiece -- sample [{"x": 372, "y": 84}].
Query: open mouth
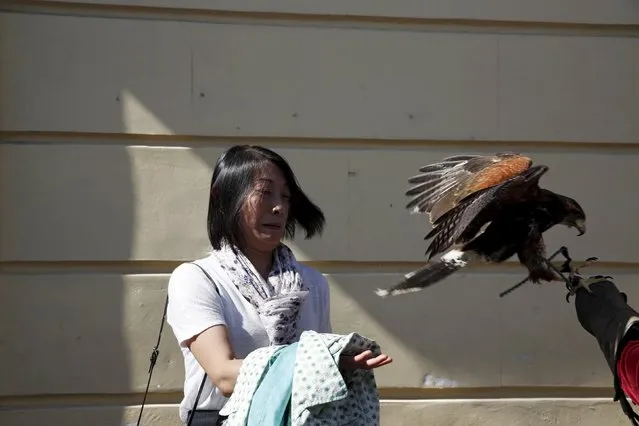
[{"x": 272, "y": 226}]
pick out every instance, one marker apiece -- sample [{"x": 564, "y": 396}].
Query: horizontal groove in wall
[
  {"x": 195, "y": 141},
  {"x": 43, "y": 401},
  {"x": 389, "y": 394},
  {"x": 134, "y": 267},
  {"x": 497, "y": 392},
  {"x": 322, "y": 20}
]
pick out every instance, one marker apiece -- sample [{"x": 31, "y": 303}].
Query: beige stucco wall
[{"x": 113, "y": 113}]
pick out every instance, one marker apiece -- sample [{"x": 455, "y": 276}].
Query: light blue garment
[{"x": 271, "y": 400}]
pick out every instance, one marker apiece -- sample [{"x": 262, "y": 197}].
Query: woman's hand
[{"x": 364, "y": 361}]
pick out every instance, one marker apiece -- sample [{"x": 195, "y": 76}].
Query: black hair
[{"x": 232, "y": 181}]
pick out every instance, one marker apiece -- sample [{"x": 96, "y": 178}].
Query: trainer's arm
[{"x": 605, "y": 314}]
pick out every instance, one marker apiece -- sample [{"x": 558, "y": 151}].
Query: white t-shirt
[{"x": 195, "y": 305}]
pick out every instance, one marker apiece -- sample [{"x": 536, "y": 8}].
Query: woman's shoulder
[
  {"x": 187, "y": 275},
  {"x": 313, "y": 277},
  {"x": 184, "y": 270}
]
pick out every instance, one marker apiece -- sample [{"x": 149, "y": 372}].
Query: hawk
[{"x": 486, "y": 209}]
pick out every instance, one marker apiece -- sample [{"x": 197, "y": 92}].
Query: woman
[{"x": 250, "y": 292}]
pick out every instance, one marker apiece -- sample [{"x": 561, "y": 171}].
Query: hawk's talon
[
  {"x": 573, "y": 280},
  {"x": 585, "y": 283}
]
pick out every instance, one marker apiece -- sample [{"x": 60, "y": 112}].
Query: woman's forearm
[
  {"x": 225, "y": 376},
  {"x": 213, "y": 352}
]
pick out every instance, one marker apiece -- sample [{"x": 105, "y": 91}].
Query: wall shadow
[{"x": 66, "y": 204}]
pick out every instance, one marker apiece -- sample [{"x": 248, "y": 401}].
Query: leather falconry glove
[{"x": 604, "y": 313}]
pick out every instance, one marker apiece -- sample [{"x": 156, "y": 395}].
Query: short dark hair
[{"x": 230, "y": 184}]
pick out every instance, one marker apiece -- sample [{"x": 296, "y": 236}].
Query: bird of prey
[{"x": 486, "y": 209}]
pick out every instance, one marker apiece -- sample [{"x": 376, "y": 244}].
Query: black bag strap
[{"x": 156, "y": 352}]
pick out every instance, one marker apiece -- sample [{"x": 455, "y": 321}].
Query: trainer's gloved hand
[{"x": 605, "y": 314}]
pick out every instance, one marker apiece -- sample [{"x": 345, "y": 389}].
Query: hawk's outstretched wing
[
  {"x": 441, "y": 186},
  {"x": 448, "y": 229},
  {"x": 461, "y": 223}
]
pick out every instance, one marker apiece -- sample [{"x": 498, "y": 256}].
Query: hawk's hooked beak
[{"x": 580, "y": 224}]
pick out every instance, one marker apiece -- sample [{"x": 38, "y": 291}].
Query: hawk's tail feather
[{"x": 430, "y": 273}]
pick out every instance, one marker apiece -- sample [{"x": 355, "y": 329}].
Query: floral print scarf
[{"x": 278, "y": 299}]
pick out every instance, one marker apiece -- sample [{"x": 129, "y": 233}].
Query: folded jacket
[{"x": 302, "y": 384}]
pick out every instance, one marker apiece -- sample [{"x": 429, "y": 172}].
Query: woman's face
[{"x": 266, "y": 209}]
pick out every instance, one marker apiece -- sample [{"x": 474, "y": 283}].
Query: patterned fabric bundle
[{"x": 301, "y": 384}]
